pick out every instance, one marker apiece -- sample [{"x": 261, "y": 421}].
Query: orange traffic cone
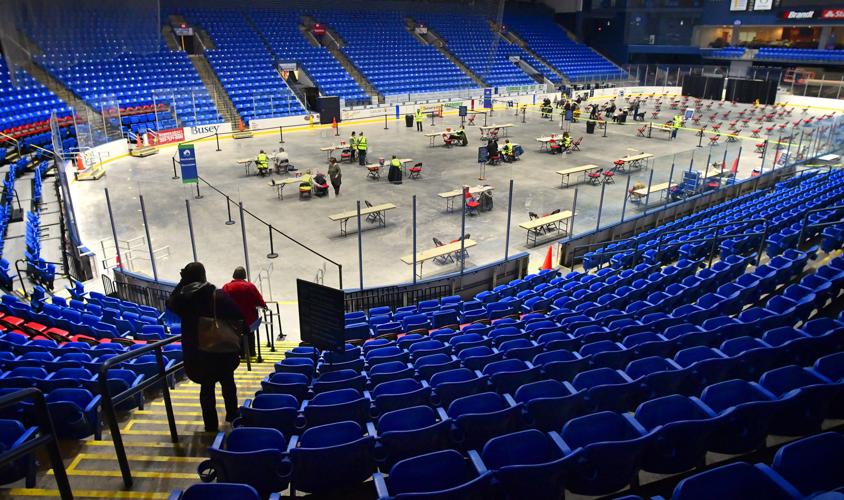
[
  {"x": 240, "y": 125},
  {"x": 138, "y": 140},
  {"x": 549, "y": 257},
  {"x": 80, "y": 162},
  {"x": 334, "y": 123}
]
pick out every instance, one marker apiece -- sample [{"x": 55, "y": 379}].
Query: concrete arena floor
[{"x": 536, "y": 188}]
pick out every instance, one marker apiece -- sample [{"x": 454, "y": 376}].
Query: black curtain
[
  {"x": 747, "y": 91},
  {"x": 703, "y": 87}
]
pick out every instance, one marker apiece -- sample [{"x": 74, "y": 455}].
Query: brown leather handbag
[{"x": 217, "y": 335}]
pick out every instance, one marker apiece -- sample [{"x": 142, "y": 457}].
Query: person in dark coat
[{"x": 190, "y": 300}]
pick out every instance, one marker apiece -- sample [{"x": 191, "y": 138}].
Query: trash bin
[
  {"x": 408, "y": 120},
  {"x": 590, "y": 127}
]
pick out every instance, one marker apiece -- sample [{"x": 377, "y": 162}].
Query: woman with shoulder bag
[{"x": 211, "y": 329}]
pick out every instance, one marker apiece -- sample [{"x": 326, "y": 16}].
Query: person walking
[
  {"x": 248, "y": 300},
  {"x": 353, "y": 146},
  {"x": 362, "y": 146},
  {"x": 678, "y": 122},
  {"x": 192, "y": 299},
  {"x": 335, "y": 175},
  {"x": 419, "y": 118}
]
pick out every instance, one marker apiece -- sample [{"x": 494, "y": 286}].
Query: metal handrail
[
  {"x": 109, "y": 401},
  {"x": 806, "y": 226},
  {"x": 46, "y": 437}
]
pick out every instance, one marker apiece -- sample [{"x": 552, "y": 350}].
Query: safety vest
[
  {"x": 395, "y": 163},
  {"x": 567, "y": 142},
  {"x": 353, "y": 142},
  {"x": 262, "y": 160},
  {"x": 677, "y": 121},
  {"x": 418, "y": 115},
  {"x": 508, "y": 149},
  {"x": 361, "y": 143}
]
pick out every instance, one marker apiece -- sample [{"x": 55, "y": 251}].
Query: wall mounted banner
[
  {"x": 187, "y": 160},
  {"x": 832, "y": 14}
]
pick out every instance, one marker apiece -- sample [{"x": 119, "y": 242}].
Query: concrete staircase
[
  {"x": 435, "y": 40},
  {"x": 222, "y": 101},
  {"x": 333, "y": 42},
  {"x": 170, "y": 38}
]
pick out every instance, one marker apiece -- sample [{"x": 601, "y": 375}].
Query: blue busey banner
[{"x": 187, "y": 160}]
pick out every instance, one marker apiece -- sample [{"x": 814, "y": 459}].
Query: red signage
[
  {"x": 171, "y": 135},
  {"x": 832, "y": 14},
  {"x": 318, "y": 30}
]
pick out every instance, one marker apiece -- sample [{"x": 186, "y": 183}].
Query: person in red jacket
[{"x": 248, "y": 300}]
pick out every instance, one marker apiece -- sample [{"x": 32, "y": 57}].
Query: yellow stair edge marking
[
  {"x": 160, "y": 422},
  {"x": 135, "y": 444},
  {"x": 144, "y": 474},
  {"x": 39, "y": 492},
  {"x": 142, "y": 458}
]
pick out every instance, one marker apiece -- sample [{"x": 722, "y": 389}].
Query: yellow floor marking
[
  {"x": 74, "y": 463},
  {"x": 136, "y": 444},
  {"x": 146, "y": 474},
  {"x": 38, "y": 492},
  {"x": 164, "y": 414},
  {"x": 160, "y": 422}
]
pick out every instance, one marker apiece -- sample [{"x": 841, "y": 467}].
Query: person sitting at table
[
  {"x": 263, "y": 163},
  {"x": 320, "y": 185},
  {"x": 508, "y": 154},
  {"x": 492, "y": 151},
  {"x": 632, "y": 192},
  {"x": 566, "y": 142},
  {"x": 282, "y": 162},
  {"x": 306, "y": 184},
  {"x": 395, "y": 173}
]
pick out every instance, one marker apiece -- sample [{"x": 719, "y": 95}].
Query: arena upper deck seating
[
  {"x": 809, "y": 55},
  {"x": 244, "y": 66},
  {"x": 577, "y": 61},
  {"x": 281, "y": 30},
  {"x": 469, "y": 38},
  {"x": 412, "y": 68}
]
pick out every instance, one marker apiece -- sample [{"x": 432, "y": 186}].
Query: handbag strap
[{"x": 214, "y": 305}]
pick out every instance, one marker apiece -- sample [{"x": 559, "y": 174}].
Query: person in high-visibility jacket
[
  {"x": 353, "y": 146},
  {"x": 395, "y": 173},
  {"x": 507, "y": 150},
  {"x": 678, "y": 122},
  {"x": 362, "y": 146},
  {"x": 419, "y": 117},
  {"x": 263, "y": 163},
  {"x": 566, "y": 142}
]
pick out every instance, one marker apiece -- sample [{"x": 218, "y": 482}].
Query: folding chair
[
  {"x": 374, "y": 216},
  {"x": 445, "y": 259},
  {"x": 415, "y": 171},
  {"x": 755, "y": 132},
  {"x": 471, "y": 119},
  {"x": 551, "y": 227},
  {"x": 374, "y": 172},
  {"x": 534, "y": 216},
  {"x": 713, "y": 140},
  {"x": 472, "y": 205},
  {"x": 608, "y": 177},
  {"x": 640, "y": 132},
  {"x": 465, "y": 252},
  {"x": 595, "y": 177},
  {"x": 575, "y": 146}
]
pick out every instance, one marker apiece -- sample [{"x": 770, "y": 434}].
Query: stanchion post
[
  {"x": 272, "y": 254},
  {"x": 281, "y": 134},
  {"x": 198, "y": 194},
  {"x": 385, "y": 127},
  {"x": 190, "y": 231},
  {"x": 175, "y": 174},
  {"x": 230, "y": 221},
  {"x": 700, "y": 138},
  {"x": 217, "y": 136}
]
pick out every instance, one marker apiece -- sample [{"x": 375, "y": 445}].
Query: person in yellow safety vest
[
  {"x": 678, "y": 122},
  {"x": 395, "y": 173},
  {"x": 361, "y": 149},
  {"x": 419, "y": 118},
  {"x": 507, "y": 149},
  {"x": 353, "y": 146},
  {"x": 566, "y": 142},
  {"x": 263, "y": 163}
]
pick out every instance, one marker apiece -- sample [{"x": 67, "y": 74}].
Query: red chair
[
  {"x": 640, "y": 132},
  {"x": 472, "y": 204},
  {"x": 595, "y": 177},
  {"x": 755, "y": 132},
  {"x": 495, "y": 160},
  {"x": 608, "y": 177},
  {"x": 713, "y": 140},
  {"x": 415, "y": 171},
  {"x": 554, "y": 146},
  {"x": 575, "y": 146},
  {"x": 760, "y": 147},
  {"x": 619, "y": 165}
]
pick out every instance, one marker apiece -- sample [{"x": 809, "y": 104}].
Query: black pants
[
  {"x": 352, "y": 152},
  {"x": 208, "y": 401},
  {"x": 336, "y": 188},
  {"x": 362, "y": 157},
  {"x": 419, "y": 126}
]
